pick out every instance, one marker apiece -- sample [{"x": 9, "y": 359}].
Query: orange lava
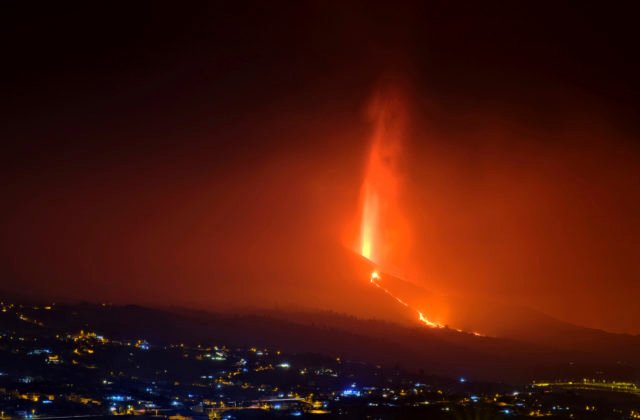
[{"x": 375, "y": 280}]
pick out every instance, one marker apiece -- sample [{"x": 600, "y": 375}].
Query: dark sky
[{"x": 211, "y": 154}]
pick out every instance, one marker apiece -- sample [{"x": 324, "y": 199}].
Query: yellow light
[{"x": 431, "y": 324}]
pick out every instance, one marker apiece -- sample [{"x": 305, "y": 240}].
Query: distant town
[{"x": 46, "y": 373}]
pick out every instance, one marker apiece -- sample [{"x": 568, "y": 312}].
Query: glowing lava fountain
[{"x": 384, "y": 234}]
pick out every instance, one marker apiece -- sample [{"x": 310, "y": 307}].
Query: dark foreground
[{"x": 55, "y": 364}]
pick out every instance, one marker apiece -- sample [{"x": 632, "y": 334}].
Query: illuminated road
[{"x": 593, "y": 385}]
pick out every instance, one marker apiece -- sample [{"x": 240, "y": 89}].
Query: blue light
[
  {"x": 351, "y": 392},
  {"x": 462, "y": 380}
]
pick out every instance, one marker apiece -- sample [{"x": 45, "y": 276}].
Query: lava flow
[
  {"x": 375, "y": 280},
  {"x": 383, "y": 230}
]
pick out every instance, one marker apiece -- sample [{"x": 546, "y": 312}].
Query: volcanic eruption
[{"x": 384, "y": 232}]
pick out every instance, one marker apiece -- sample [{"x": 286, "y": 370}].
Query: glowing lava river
[{"x": 375, "y": 280}]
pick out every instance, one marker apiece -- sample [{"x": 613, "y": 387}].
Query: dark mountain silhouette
[
  {"x": 442, "y": 352},
  {"x": 519, "y": 344}
]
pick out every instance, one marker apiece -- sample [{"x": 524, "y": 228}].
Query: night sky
[{"x": 212, "y": 154}]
